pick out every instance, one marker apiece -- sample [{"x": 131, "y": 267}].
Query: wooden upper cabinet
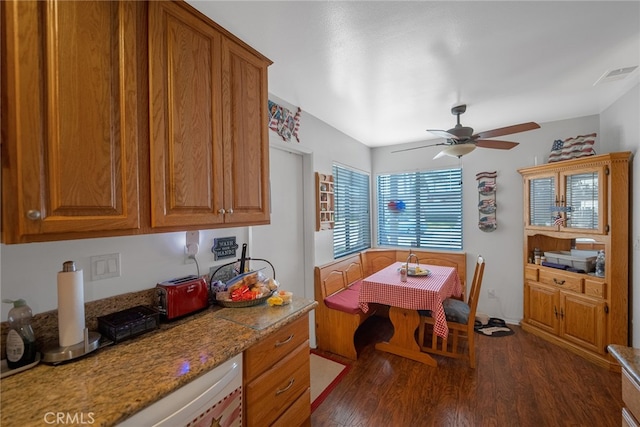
[
  {"x": 185, "y": 118},
  {"x": 70, "y": 130},
  {"x": 246, "y": 142},
  {"x": 208, "y": 115},
  {"x": 75, "y": 97}
]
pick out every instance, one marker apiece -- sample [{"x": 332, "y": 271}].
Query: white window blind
[
  {"x": 421, "y": 209},
  {"x": 352, "y": 228},
  {"x": 542, "y": 201},
  {"x": 582, "y": 197}
]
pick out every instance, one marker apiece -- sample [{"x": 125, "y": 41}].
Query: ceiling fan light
[{"x": 457, "y": 150}]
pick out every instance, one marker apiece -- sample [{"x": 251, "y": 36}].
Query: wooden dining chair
[{"x": 460, "y": 320}]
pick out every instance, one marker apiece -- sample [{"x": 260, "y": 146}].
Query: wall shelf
[{"x": 325, "y": 215}]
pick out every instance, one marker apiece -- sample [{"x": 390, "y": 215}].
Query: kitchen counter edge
[
  {"x": 629, "y": 359},
  {"x": 110, "y": 385}
]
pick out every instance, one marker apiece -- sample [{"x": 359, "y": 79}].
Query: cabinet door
[
  {"x": 540, "y": 196},
  {"x": 185, "y": 118},
  {"x": 542, "y": 307},
  {"x": 70, "y": 123},
  {"x": 585, "y": 194},
  {"x": 583, "y": 321},
  {"x": 246, "y": 143}
]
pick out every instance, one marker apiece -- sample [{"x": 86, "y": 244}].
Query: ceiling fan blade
[
  {"x": 442, "y": 133},
  {"x": 494, "y": 143},
  {"x": 417, "y": 148},
  {"x": 522, "y": 127}
]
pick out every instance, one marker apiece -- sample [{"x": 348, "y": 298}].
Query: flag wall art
[{"x": 284, "y": 122}]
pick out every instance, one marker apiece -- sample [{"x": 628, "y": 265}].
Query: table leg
[{"x": 403, "y": 342}]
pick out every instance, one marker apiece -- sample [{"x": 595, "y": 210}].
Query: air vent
[{"x": 617, "y": 74}]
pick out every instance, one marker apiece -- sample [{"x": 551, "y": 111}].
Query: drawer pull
[
  {"x": 279, "y": 343},
  {"x": 558, "y": 282},
  {"x": 282, "y": 390}
]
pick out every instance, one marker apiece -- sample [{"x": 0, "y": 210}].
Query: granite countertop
[
  {"x": 114, "y": 382},
  {"x": 629, "y": 359}
]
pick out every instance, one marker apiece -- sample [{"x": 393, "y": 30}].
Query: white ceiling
[{"x": 383, "y": 72}]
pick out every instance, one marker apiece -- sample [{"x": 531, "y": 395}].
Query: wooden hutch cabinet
[
  {"x": 580, "y": 204},
  {"x": 128, "y": 117}
]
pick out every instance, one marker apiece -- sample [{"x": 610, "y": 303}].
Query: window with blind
[
  {"x": 582, "y": 196},
  {"x": 421, "y": 209},
  {"x": 542, "y": 201},
  {"x": 352, "y": 228}
]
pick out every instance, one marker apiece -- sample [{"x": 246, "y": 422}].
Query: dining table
[{"x": 425, "y": 290}]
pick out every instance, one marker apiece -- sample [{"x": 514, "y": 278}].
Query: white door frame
[{"x": 308, "y": 219}]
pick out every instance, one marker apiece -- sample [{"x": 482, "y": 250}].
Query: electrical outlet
[
  {"x": 491, "y": 293},
  {"x": 636, "y": 244},
  {"x": 192, "y": 242}
]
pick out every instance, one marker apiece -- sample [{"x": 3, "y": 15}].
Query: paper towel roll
[{"x": 70, "y": 308}]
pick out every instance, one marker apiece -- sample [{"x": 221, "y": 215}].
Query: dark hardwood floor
[{"x": 520, "y": 380}]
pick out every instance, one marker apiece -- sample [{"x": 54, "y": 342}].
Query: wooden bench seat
[{"x": 337, "y": 283}]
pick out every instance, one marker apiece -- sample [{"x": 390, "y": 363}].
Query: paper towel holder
[
  {"x": 90, "y": 342},
  {"x": 57, "y": 355}
]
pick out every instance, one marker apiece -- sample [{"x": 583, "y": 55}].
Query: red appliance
[{"x": 182, "y": 296}]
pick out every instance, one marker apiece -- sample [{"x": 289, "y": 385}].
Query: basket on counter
[
  {"x": 242, "y": 304},
  {"x": 221, "y": 298}
]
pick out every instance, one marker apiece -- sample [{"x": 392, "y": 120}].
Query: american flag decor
[{"x": 558, "y": 220}]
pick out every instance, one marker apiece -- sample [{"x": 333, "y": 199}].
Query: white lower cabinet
[{"x": 212, "y": 399}]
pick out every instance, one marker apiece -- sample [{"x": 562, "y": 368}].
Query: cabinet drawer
[
  {"x": 299, "y": 411},
  {"x": 531, "y": 273},
  {"x": 595, "y": 288},
  {"x": 561, "y": 280},
  {"x": 631, "y": 394},
  {"x": 269, "y": 395},
  {"x": 274, "y": 347}
]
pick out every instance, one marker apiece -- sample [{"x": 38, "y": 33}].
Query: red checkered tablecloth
[{"x": 417, "y": 293}]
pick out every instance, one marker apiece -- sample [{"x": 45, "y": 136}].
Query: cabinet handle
[
  {"x": 230, "y": 211},
  {"x": 555, "y": 311},
  {"x": 562, "y": 313},
  {"x": 282, "y": 390},
  {"x": 33, "y": 214},
  {"x": 558, "y": 282},
  {"x": 279, "y": 343},
  {"x": 221, "y": 211}
]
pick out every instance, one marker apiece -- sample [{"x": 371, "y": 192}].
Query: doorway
[{"x": 287, "y": 242}]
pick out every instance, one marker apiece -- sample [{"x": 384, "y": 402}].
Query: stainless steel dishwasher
[{"x": 212, "y": 399}]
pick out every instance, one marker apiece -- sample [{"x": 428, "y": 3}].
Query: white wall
[
  {"x": 30, "y": 270},
  {"x": 620, "y": 131},
  {"x": 328, "y": 145},
  {"x": 502, "y": 248}
]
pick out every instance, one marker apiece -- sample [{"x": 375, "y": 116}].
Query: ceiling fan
[{"x": 461, "y": 140}]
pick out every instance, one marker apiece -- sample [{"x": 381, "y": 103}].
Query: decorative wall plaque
[{"x": 224, "y": 247}]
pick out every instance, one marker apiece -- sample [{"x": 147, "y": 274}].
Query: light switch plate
[{"x": 105, "y": 266}]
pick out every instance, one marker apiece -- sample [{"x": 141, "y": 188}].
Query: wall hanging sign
[
  {"x": 487, "y": 201},
  {"x": 284, "y": 122},
  {"x": 224, "y": 247},
  {"x": 572, "y": 148}
]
